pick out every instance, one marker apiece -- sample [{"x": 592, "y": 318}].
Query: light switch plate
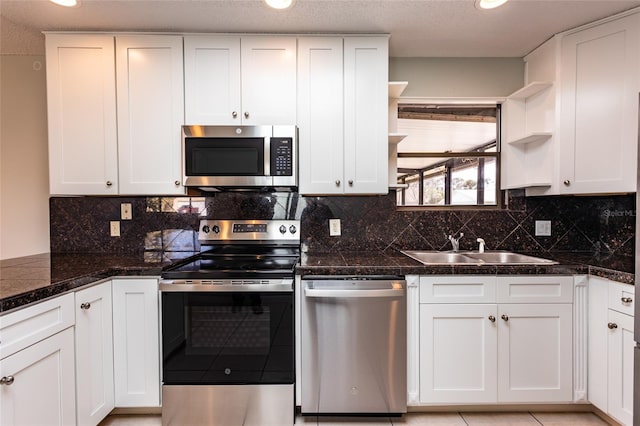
[
  {"x": 334, "y": 227},
  {"x": 543, "y": 228},
  {"x": 115, "y": 228},
  {"x": 125, "y": 211}
]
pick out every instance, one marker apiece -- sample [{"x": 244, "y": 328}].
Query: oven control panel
[{"x": 249, "y": 230}]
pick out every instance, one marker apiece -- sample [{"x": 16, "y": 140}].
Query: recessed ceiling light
[
  {"x": 489, "y": 4},
  {"x": 66, "y": 3},
  {"x": 280, "y": 4}
]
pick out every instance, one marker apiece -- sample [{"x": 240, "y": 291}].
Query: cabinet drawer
[
  {"x": 30, "y": 325},
  {"x": 458, "y": 289},
  {"x": 535, "y": 289},
  {"x": 621, "y": 297}
]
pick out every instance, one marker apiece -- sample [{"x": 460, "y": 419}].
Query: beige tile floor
[{"x": 412, "y": 419}]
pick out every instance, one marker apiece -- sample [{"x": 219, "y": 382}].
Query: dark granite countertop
[
  {"x": 619, "y": 269},
  {"x": 29, "y": 279}
]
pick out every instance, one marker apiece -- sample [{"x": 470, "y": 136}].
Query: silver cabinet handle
[
  {"x": 626, "y": 299},
  {"x": 505, "y": 317},
  {"x": 85, "y": 306},
  {"x": 7, "y": 380},
  {"x": 177, "y": 183},
  {"x": 246, "y": 114},
  {"x": 492, "y": 318},
  {"x": 234, "y": 114},
  {"x": 567, "y": 182},
  {"x": 109, "y": 183},
  {"x": 612, "y": 325},
  {"x": 338, "y": 182}
]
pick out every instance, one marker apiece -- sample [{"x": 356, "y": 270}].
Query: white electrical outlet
[
  {"x": 115, "y": 228},
  {"x": 125, "y": 211},
  {"x": 543, "y": 228},
  {"x": 334, "y": 227}
]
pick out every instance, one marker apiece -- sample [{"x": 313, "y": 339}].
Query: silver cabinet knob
[
  {"x": 85, "y": 306},
  {"x": 626, "y": 300},
  {"x": 567, "y": 182},
  {"x": 246, "y": 114},
  {"x": 109, "y": 183},
  {"x": 7, "y": 380},
  {"x": 612, "y": 325},
  {"x": 234, "y": 114},
  {"x": 505, "y": 317},
  {"x": 492, "y": 318},
  {"x": 350, "y": 182},
  {"x": 338, "y": 182},
  {"x": 176, "y": 183}
]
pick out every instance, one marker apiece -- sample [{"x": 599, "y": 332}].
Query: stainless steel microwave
[{"x": 240, "y": 157}]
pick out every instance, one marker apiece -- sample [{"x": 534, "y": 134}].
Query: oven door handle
[{"x": 334, "y": 293}]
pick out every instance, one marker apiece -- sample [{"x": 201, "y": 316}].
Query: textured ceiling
[{"x": 418, "y": 28}]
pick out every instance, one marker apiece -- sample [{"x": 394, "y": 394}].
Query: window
[{"x": 450, "y": 156}]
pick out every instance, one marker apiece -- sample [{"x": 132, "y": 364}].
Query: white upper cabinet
[
  {"x": 212, "y": 80},
  {"x": 366, "y": 126},
  {"x": 81, "y": 98},
  {"x": 343, "y": 115},
  {"x": 150, "y": 92},
  {"x": 600, "y": 72},
  {"x": 320, "y": 114},
  {"x": 240, "y": 80}
]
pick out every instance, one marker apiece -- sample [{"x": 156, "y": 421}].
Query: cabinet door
[
  {"x": 366, "y": 97},
  {"x": 458, "y": 345},
  {"x": 599, "y": 108},
  {"x": 597, "y": 342},
  {"x": 81, "y": 103},
  {"x": 150, "y": 113},
  {"x": 135, "y": 343},
  {"x": 94, "y": 354},
  {"x": 212, "y": 80},
  {"x": 268, "y": 80},
  {"x": 535, "y": 353},
  {"x": 620, "y": 361},
  {"x": 320, "y": 115},
  {"x": 43, "y": 387}
]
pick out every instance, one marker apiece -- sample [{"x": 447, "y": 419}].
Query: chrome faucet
[{"x": 455, "y": 242}]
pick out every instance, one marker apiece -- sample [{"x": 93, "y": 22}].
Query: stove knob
[
  {"x": 293, "y": 229},
  {"x": 283, "y": 229},
  {"x": 216, "y": 229},
  {"x": 205, "y": 229}
]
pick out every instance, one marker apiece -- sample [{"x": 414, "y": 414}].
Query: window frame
[{"x": 478, "y": 153}]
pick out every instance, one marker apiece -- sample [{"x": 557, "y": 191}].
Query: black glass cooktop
[{"x": 237, "y": 261}]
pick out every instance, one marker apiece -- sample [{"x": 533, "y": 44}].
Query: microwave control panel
[{"x": 281, "y": 156}]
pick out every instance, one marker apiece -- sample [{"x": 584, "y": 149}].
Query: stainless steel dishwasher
[{"x": 354, "y": 345}]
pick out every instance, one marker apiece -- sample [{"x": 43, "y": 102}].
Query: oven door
[{"x": 227, "y": 338}]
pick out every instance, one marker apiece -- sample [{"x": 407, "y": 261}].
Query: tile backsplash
[{"x": 167, "y": 226}]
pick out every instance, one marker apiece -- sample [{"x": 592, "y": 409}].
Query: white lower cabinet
[
  {"x": 611, "y": 347},
  {"x": 458, "y": 352},
  {"x": 94, "y": 354},
  {"x": 495, "y": 339},
  {"x": 39, "y": 383},
  {"x": 136, "y": 342},
  {"x": 37, "y": 374}
]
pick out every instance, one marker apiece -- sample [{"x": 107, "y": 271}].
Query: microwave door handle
[{"x": 267, "y": 156}]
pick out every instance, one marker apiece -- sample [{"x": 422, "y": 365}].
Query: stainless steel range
[{"x": 228, "y": 326}]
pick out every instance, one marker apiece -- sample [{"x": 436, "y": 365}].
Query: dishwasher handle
[{"x": 352, "y": 293}]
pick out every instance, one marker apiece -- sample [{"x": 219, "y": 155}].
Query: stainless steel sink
[
  {"x": 441, "y": 257},
  {"x": 508, "y": 258},
  {"x": 429, "y": 257}
]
